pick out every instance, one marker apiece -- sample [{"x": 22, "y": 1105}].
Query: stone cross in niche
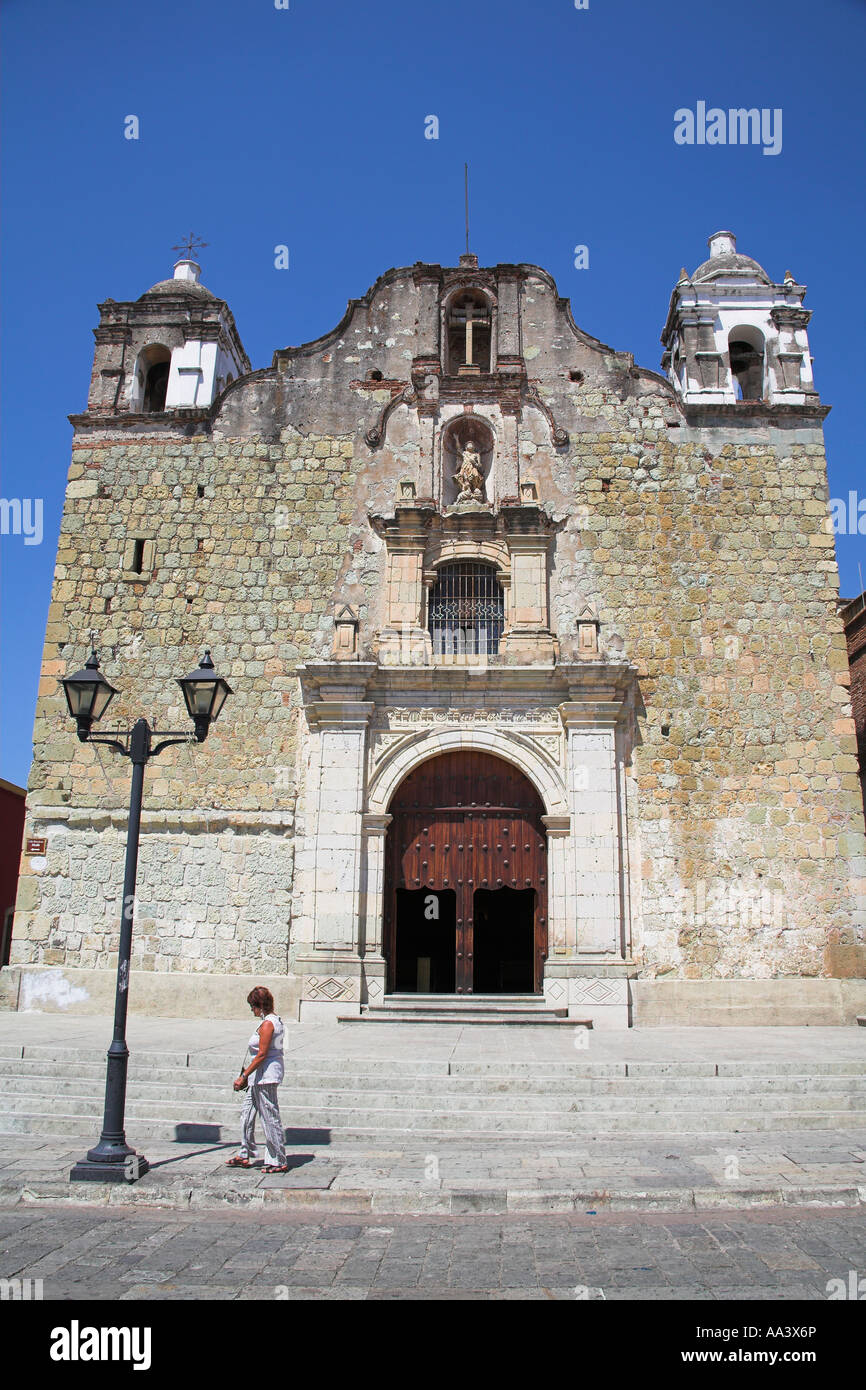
[{"x": 466, "y": 314}]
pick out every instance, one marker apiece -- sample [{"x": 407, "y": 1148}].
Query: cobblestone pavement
[{"x": 97, "y": 1253}]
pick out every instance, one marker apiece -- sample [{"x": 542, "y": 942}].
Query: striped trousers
[{"x": 261, "y": 1102}]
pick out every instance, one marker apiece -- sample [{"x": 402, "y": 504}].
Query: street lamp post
[{"x": 88, "y": 695}]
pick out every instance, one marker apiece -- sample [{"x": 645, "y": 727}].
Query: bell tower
[
  {"x": 734, "y": 336},
  {"x": 174, "y": 348}
]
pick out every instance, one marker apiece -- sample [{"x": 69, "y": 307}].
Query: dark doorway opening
[
  {"x": 426, "y": 941},
  {"x": 463, "y": 822},
  {"x": 504, "y": 932}
]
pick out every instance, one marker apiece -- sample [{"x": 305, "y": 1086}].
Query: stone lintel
[
  {"x": 340, "y": 714},
  {"x": 527, "y": 525},
  {"x": 592, "y": 713},
  {"x": 557, "y": 826},
  {"x": 409, "y": 525},
  {"x": 334, "y": 681}
]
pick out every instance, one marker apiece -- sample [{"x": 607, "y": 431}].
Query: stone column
[
  {"x": 528, "y": 639},
  {"x": 560, "y": 888},
  {"x": 375, "y": 831},
  {"x": 593, "y": 796},
  {"x": 342, "y": 730},
  {"x": 330, "y": 963},
  {"x": 404, "y": 640}
]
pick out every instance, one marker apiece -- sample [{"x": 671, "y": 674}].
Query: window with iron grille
[{"x": 467, "y": 610}]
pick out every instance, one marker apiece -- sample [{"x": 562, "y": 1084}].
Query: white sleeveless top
[{"x": 270, "y": 1073}]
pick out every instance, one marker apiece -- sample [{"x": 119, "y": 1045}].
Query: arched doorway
[{"x": 466, "y": 879}]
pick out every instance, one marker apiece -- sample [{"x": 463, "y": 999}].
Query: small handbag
[{"x": 246, "y": 1079}]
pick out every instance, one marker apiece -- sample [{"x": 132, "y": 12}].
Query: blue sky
[{"x": 305, "y": 127}]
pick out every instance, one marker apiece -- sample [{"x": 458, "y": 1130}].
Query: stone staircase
[
  {"x": 52, "y": 1090},
  {"x": 521, "y": 1010}
]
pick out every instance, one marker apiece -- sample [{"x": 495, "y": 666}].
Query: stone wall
[{"x": 211, "y": 896}]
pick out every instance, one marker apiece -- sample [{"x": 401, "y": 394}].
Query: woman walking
[{"x": 260, "y": 1078}]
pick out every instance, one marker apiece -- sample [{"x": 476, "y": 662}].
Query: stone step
[
  {"x": 429, "y": 1018},
  {"x": 502, "y": 1009},
  {"x": 494, "y": 1003},
  {"x": 181, "y": 1100},
  {"x": 309, "y": 1127},
  {"x": 89, "y": 1078},
  {"x": 224, "y": 1062}
]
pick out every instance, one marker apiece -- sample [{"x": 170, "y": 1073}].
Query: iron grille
[{"x": 467, "y": 611}]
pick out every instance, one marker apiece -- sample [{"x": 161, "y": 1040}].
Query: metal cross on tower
[{"x": 190, "y": 245}]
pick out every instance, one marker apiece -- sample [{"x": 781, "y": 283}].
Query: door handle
[{"x": 459, "y": 955}]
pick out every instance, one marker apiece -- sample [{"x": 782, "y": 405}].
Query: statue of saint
[{"x": 469, "y": 478}]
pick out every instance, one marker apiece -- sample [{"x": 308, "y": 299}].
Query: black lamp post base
[{"x": 130, "y": 1170}]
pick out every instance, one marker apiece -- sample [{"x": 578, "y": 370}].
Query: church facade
[{"x": 539, "y": 686}]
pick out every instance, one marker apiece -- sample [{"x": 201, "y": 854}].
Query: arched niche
[
  {"x": 467, "y": 333},
  {"x": 467, "y": 432},
  {"x": 150, "y": 381},
  {"x": 746, "y": 353}
]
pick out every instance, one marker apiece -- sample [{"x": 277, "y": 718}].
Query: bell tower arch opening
[
  {"x": 466, "y": 879},
  {"x": 746, "y": 354},
  {"x": 150, "y": 379}
]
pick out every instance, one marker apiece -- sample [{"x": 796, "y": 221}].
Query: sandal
[
  {"x": 272, "y": 1168},
  {"x": 238, "y": 1162}
]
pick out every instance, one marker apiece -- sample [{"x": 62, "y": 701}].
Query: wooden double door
[{"x": 466, "y": 880}]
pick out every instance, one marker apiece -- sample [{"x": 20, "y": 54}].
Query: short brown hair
[{"x": 261, "y": 998}]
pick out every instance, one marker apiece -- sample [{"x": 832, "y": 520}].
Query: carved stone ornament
[{"x": 346, "y": 625}]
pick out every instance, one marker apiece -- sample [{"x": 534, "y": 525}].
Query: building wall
[{"x": 704, "y": 546}]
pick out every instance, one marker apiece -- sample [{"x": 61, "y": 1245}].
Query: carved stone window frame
[{"x": 448, "y": 550}]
